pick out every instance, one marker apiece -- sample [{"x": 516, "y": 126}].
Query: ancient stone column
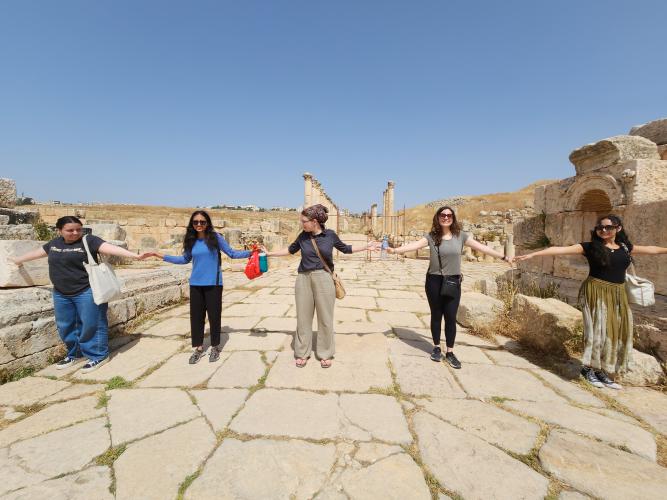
[
  {"x": 374, "y": 217},
  {"x": 384, "y": 212},
  {"x": 509, "y": 245},
  {"x": 390, "y": 207},
  {"x": 308, "y": 189}
]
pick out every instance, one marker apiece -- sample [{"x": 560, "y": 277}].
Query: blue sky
[{"x": 200, "y": 103}]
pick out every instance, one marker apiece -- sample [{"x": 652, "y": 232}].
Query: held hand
[
  {"x": 15, "y": 261},
  {"x": 509, "y": 260},
  {"x": 145, "y": 255},
  {"x": 520, "y": 258},
  {"x": 391, "y": 251},
  {"x": 374, "y": 245}
]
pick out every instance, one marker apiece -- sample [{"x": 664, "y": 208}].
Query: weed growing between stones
[
  {"x": 26, "y": 371},
  {"x": 186, "y": 484},
  {"x": 111, "y": 455},
  {"x": 102, "y": 400},
  {"x": 261, "y": 383},
  {"x": 118, "y": 383},
  {"x": 661, "y": 441}
]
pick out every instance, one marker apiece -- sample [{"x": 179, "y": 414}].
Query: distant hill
[{"x": 468, "y": 207}]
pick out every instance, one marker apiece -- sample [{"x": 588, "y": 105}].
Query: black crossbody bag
[{"x": 450, "y": 284}]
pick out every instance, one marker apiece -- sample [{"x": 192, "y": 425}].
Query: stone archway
[
  {"x": 595, "y": 200},
  {"x": 594, "y": 193}
]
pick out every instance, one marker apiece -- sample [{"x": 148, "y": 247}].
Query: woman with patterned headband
[{"x": 314, "y": 289}]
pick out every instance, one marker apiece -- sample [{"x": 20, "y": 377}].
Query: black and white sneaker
[
  {"x": 214, "y": 355},
  {"x": 590, "y": 377},
  {"x": 196, "y": 356},
  {"x": 436, "y": 355},
  {"x": 64, "y": 363},
  {"x": 452, "y": 360},
  {"x": 608, "y": 382},
  {"x": 93, "y": 365}
]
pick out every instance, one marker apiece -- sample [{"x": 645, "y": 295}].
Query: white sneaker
[
  {"x": 93, "y": 365},
  {"x": 608, "y": 382}
]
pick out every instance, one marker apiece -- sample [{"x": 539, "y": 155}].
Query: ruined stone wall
[
  {"x": 162, "y": 227},
  {"x": 28, "y": 334},
  {"x": 623, "y": 175}
]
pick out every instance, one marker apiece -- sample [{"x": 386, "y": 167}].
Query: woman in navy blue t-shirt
[{"x": 202, "y": 246}]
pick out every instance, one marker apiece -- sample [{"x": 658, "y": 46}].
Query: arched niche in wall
[{"x": 594, "y": 193}]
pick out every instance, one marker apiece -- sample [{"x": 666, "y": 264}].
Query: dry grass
[{"x": 420, "y": 217}]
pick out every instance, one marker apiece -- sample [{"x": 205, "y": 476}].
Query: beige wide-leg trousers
[{"x": 314, "y": 291}]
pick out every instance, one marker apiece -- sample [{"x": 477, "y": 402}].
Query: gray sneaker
[
  {"x": 608, "y": 382},
  {"x": 196, "y": 356},
  {"x": 214, "y": 355},
  {"x": 590, "y": 377}
]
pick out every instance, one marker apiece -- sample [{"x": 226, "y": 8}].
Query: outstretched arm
[
  {"x": 410, "y": 247},
  {"x": 570, "y": 250},
  {"x": 234, "y": 254},
  {"x": 35, "y": 254},
  {"x": 476, "y": 245},
  {"x": 648, "y": 250},
  {"x": 109, "y": 249}
]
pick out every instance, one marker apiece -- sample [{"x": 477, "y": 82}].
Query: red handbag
[{"x": 252, "y": 270}]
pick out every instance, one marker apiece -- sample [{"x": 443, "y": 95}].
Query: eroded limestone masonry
[{"x": 625, "y": 175}]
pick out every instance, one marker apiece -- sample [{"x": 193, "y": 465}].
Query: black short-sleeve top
[
  {"x": 619, "y": 260},
  {"x": 327, "y": 240},
  {"x": 66, "y": 270}
]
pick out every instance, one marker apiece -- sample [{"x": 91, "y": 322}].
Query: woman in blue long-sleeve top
[{"x": 202, "y": 246}]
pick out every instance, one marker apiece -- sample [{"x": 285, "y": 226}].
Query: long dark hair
[
  {"x": 436, "y": 230},
  {"x": 598, "y": 251},
  {"x": 190, "y": 239},
  {"x": 68, "y": 219}
]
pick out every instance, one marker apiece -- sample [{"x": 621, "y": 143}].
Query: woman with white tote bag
[{"x": 82, "y": 323}]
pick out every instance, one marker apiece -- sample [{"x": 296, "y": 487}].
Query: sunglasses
[
  {"x": 600, "y": 227},
  {"x": 446, "y": 216},
  {"x": 199, "y": 223}
]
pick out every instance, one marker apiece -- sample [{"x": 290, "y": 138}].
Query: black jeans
[
  {"x": 205, "y": 300},
  {"x": 442, "y": 306}
]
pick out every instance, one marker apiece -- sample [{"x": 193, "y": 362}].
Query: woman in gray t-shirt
[{"x": 445, "y": 241}]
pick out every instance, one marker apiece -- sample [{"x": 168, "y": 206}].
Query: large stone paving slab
[
  {"x": 43, "y": 457},
  {"x": 177, "y": 372},
  {"x": 576, "y": 461},
  {"x": 29, "y": 390},
  {"x": 220, "y": 405},
  {"x": 253, "y": 341},
  {"x": 245, "y": 323},
  {"x": 420, "y": 376},
  {"x": 648, "y": 404},
  {"x": 607, "y": 429},
  {"x": 361, "y": 327},
  {"x": 487, "y": 381},
  {"x": 397, "y": 477},
  {"x": 471, "y": 467},
  {"x": 51, "y": 418},
  {"x": 75, "y": 391},
  {"x": 241, "y": 369},
  {"x": 360, "y": 363},
  {"x": 488, "y": 422},
  {"x": 135, "y": 413},
  {"x": 396, "y": 318},
  {"x": 78, "y": 486},
  {"x": 133, "y": 359},
  {"x": 400, "y": 294},
  {"x": 255, "y": 310},
  {"x": 404, "y": 305},
  {"x": 569, "y": 389},
  {"x": 155, "y": 467},
  {"x": 264, "y": 469},
  {"x": 358, "y": 302},
  {"x": 301, "y": 414},
  {"x": 169, "y": 327}
]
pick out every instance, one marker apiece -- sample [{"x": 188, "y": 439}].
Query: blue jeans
[{"x": 82, "y": 325}]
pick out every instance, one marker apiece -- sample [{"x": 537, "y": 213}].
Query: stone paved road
[{"x": 383, "y": 422}]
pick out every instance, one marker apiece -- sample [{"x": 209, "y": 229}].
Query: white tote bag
[
  {"x": 103, "y": 281},
  {"x": 640, "y": 291}
]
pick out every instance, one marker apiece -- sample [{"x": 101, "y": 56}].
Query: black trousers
[
  {"x": 205, "y": 300},
  {"x": 442, "y": 307}
]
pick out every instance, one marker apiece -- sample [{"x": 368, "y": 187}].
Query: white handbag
[
  {"x": 640, "y": 290},
  {"x": 103, "y": 281}
]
